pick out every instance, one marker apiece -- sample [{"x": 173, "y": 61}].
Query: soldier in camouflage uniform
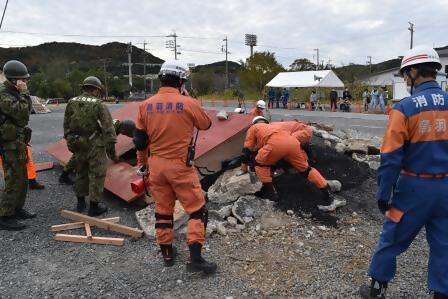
[
  {"x": 125, "y": 127},
  {"x": 15, "y": 109},
  {"x": 91, "y": 137}
]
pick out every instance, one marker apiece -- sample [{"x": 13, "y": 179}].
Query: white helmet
[
  {"x": 176, "y": 68},
  {"x": 261, "y": 104},
  {"x": 258, "y": 119},
  {"x": 239, "y": 110},
  {"x": 418, "y": 55}
]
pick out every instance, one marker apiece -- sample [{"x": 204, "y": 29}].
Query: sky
[{"x": 344, "y": 31}]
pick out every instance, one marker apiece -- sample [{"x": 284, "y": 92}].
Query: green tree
[
  {"x": 302, "y": 64},
  {"x": 258, "y": 70}
]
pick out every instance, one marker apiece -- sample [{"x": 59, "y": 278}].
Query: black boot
[
  {"x": 376, "y": 290},
  {"x": 81, "y": 205},
  {"x": 10, "y": 223},
  {"x": 65, "y": 178},
  {"x": 327, "y": 197},
  {"x": 197, "y": 262},
  {"x": 440, "y": 296},
  {"x": 24, "y": 214},
  {"x": 35, "y": 185},
  {"x": 169, "y": 253},
  {"x": 268, "y": 191},
  {"x": 96, "y": 209}
]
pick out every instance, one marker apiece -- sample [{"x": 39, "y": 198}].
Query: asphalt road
[{"x": 372, "y": 124}]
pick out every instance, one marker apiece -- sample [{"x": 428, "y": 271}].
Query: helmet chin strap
[{"x": 408, "y": 73}]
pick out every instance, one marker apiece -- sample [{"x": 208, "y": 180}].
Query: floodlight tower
[{"x": 251, "y": 41}]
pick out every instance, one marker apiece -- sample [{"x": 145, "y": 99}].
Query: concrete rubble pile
[
  {"x": 234, "y": 208},
  {"x": 38, "y": 107},
  {"x": 361, "y": 147}
]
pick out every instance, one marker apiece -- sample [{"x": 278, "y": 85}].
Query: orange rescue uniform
[
  {"x": 276, "y": 144},
  {"x": 31, "y": 169},
  {"x": 299, "y": 130},
  {"x": 169, "y": 118},
  {"x": 256, "y": 112}
]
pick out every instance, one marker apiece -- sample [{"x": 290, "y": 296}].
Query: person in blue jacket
[
  {"x": 271, "y": 97},
  {"x": 285, "y": 98},
  {"x": 414, "y": 170}
]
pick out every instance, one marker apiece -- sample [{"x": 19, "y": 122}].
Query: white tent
[{"x": 306, "y": 79}]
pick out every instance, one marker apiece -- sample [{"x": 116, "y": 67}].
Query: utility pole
[
  {"x": 317, "y": 60},
  {"x": 226, "y": 50},
  {"x": 411, "y": 29},
  {"x": 172, "y": 44},
  {"x": 144, "y": 66},
  {"x": 105, "y": 78},
  {"x": 370, "y": 62},
  {"x": 130, "y": 66},
  {"x": 3, "y": 15}
]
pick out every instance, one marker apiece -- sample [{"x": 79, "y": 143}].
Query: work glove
[
  {"x": 383, "y": 206},
  {"x": 142, "y": 171}
]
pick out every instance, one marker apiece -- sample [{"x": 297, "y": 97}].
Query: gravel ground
[{"x": 299, "y": 259}]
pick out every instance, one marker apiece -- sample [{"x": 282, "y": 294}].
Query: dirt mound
[{"x": 297, "y": 194}]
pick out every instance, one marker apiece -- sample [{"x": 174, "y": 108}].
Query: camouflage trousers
[
  {"x": 90, "y": 173},
  {"x": 71, "y": 164},
  {"x": 16, "y": 180}
]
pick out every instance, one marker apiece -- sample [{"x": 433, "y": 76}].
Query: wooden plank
[
  {"x": 93, "y": 240},
  {"x": 88, "y": 231},
  {"x": 122, "y": 229},
  {"x": 75, "y": 225}
]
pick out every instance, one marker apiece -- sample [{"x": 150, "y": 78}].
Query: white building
[{"x": 390, "y": 77}]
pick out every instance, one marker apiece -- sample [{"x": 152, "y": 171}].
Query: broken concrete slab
[
  {"x": 229, "y": 187},
  {"x": 222, "y": 213},
  {"x": 340, "y": 147},
  {"x": 337, "y": 203},
  {"x": 356, "y": 146},
  {"x": 247, "y": 208},
  {"x": 146, "y": 219}
]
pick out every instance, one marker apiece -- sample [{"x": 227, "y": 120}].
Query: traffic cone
[{"x": 359, "y": 107}]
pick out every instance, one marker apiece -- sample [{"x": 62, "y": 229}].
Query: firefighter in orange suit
[
  {"x": 259, "y": 109},
  {"x": 298, "y": 130},
  {"x": 165, "y": 128},
  {"x": 277, "y": 144}
]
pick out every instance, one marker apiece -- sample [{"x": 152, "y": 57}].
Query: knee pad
[
  {"x": 306, "y": 173},
  {"x": 163, "y": 225},
  {"x": 201, "y": 214}
]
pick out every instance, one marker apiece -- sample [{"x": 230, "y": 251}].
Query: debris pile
[
  {"x": 233, "y": 207},
  {"x": 38, "y": 107},
  {"x": 360, "y": 147}
]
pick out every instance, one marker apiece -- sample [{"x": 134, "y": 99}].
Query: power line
[{"x": 3, "y": 15}]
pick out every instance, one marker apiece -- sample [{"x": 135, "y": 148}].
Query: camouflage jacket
[
  {"x": 88, "y": 118},
  {"x": 15, "y": 110}
]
